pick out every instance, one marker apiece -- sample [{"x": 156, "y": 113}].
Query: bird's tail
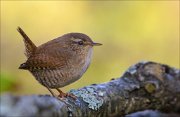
[{"x": 30, "y": 47}]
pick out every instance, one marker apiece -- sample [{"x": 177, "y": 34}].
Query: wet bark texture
[{"x": 144, "y": 86}]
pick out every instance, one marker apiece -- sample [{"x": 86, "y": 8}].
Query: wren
[{"x": 58, "y": 62}]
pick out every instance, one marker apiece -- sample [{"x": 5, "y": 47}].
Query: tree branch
[{"x": 146, "y": 85}]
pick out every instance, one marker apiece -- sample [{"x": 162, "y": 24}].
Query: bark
[{"x": 144, "y": 86}]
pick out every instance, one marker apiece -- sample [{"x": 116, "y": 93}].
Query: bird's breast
[{"x": 87, "y": 61}]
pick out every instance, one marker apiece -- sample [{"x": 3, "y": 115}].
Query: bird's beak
[{"x": 96, "y": 44}]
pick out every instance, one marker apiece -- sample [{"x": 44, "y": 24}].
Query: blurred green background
[{"x": 130, "y": 31}]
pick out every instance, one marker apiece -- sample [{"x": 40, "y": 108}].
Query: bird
[{"x": 58, "y": 62}]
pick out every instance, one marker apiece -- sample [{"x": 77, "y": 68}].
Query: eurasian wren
[{"x": 58, "y": 62}]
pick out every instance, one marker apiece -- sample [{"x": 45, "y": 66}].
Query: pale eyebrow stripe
[{"x": 77, "y": 40}]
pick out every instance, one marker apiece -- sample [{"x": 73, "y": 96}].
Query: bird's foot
[{"x": 65, "y": 95}]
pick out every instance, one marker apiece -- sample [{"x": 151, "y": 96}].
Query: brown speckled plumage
[{"x": 60, "y": 61}]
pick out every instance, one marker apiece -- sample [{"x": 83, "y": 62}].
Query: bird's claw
[{"x": 65, "y": 95}]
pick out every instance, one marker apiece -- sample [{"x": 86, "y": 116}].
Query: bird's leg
[
  {"x": 54, "y": 95},
  {"x": 62, "y": 94}
]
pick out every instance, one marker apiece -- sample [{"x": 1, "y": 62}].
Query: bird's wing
[
  {"x": 30, "y": 47},
  {"x": 43, "y": 61}
]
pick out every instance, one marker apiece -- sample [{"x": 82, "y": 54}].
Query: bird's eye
[{"x": 80, "y": 42}]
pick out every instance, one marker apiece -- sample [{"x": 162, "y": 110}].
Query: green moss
[{"x": 150, "y": 88}]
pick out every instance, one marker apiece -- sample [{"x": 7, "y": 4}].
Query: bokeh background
[{"x": 130, "y": 31}]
